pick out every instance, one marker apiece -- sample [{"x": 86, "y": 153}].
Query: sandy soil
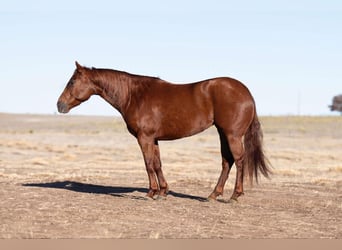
[{"x": 83, "y": 177}]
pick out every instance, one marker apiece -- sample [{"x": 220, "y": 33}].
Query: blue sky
[{"x": 288, "y": 53}]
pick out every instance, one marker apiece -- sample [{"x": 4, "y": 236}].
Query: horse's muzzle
[{"x": 62, "y": 107}]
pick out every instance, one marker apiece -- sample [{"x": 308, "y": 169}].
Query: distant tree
[{"x": 336, "y": 104}]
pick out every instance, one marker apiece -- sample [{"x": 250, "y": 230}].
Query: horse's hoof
[
  {"x": 211, "y": 199},
  {"x": 149, "y": 197}
]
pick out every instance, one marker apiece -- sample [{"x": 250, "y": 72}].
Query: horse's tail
[{"x": 255, "y": 160}]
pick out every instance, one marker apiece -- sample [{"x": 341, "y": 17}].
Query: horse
[{"x": 156, "y": 110}]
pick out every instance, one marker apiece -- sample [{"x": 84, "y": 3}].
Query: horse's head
[{"x": 78, "y": 90}]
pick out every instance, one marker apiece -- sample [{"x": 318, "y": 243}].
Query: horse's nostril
[{"x": 62, "y": 107}]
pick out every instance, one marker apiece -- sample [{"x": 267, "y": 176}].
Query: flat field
[{"x": 84, "y": 177}]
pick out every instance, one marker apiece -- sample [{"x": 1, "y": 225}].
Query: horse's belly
[{"x": 180, "y": 127}]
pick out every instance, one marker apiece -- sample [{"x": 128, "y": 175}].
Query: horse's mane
[{"x": 120, "y": 73}]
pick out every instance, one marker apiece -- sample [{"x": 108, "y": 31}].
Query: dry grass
[
  {"x": 74, "y": 176},
  {"x": 336, "y": 169}
]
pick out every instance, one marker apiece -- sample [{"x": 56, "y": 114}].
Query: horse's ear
[{"x": 78, "y": 66}]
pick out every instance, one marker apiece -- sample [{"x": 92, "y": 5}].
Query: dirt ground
[{"x": 83, "y": 177}]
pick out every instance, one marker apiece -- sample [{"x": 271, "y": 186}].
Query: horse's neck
[{"x": 116, "y": 87}]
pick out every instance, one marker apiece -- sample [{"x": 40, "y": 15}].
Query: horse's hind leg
[
  {"x": 227, "y": 163},
  {"x": 238, "y": 151}
]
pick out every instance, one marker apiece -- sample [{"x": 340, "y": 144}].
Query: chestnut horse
[{"x": 154, "y": 110}]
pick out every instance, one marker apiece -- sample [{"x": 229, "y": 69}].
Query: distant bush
[{"x": 336, "y": 104}]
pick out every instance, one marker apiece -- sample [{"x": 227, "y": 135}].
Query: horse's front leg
[
  {"x": 148, "y": 149},
  {"x": 164, "y": 188}
]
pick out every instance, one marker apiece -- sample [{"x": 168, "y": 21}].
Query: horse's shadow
[{"x": 116, "y": 191}]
